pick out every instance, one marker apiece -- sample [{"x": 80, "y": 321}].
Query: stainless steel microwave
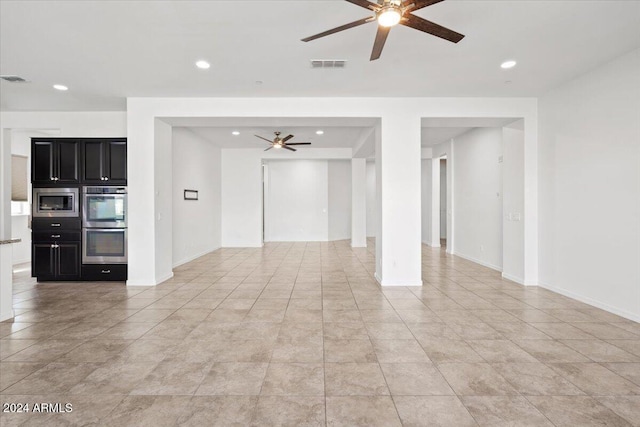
[{"x": 55, "y": 202}]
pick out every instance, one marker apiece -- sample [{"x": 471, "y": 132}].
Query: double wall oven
[{"x": 104, "y": 225}]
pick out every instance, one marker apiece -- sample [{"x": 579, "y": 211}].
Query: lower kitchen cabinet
[
  {"x": 56, "y": 261},
  {"x": 107, "y": 272}
]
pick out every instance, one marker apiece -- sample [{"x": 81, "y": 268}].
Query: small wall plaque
[{"x": 190, "y": 194}]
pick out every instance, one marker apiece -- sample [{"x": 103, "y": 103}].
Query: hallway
[{"x": 300, "y": 333}]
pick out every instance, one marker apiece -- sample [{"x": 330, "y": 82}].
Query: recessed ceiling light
[
  {"x": 319, "y": 132},
  {"x": 203, "y": 65},
  {"x": 259, "y": 82},
  {"x": 508, "y": 64},
  {"x": 60, "y": 87},
  {"x": 235, "y": 132}
]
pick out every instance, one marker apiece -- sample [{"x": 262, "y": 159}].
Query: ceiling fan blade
[
  {"x": 378, "y": 45},
  {"x": 432, "y": 28},
  {"x": 418, "y": 4},
  {"x": 299, "y": 143},
  {"x": 286, "y": 138},
  {"x": 366, "y": 4},
  {"x": 289, "y": 148},
  {"x": 268, "y": 140},
  {"x": 269, "y": 148},
  {"x": 338, "y": 29}
]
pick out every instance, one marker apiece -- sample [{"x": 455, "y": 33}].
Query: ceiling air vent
[
  {"x": 328, "y": 63},
  {"x": 13, "y": 79}
]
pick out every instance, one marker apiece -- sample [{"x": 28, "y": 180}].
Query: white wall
[
  {"x": 513, "y": 203},
  {"x": 163, "y": 200},
  {"x": 589, "y": 180},
  {"x": 241, "y": 198},
  {"x": 242, "y": 190},
  {"x": 426, "y": 201},
  {"x": 339, "y": 195},
  {"x": 21, "y": 145},
  {"x": 478, "y": 196},
  {"x": 307, "y": 200},
  {"x": 371, "y": 199},
  {"x": 298, "y": 201},
  {"x": 196, "y": 224}
]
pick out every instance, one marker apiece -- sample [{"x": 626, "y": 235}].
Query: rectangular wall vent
[
  {"x": 13, "y": 79},
  {"x": 328, "y": 63}
]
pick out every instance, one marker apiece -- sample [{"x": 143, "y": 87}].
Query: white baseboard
[
  {"x": 591, "y": 301},
  {"x": 6, "y": 315},
  {"x": 430, "y": 245},
  {"x": 20, "y": 261},
  {"x": 477, "y": 261},
  {"x": 387, "y": 283},
  {"x": 516, "y": 279},
  {"x": 359, "y": 246},
  {"x": 191, "y": 258},
  {"x": 158, "y": 281},
  {"x": 164, "y": 278}
]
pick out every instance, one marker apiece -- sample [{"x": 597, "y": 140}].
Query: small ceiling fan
[
  {"x": 389, "y": 13},
  {"x": 282, "y": 142}
]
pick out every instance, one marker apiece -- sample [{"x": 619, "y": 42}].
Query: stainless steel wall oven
[{"x": 104, "y": 225}]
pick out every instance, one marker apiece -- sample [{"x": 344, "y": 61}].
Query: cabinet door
[
  {"x": 93, "y": 162},
  {"x": 68, "y": 262},
  {"x": 116, "y": 162},
  {"x": 67, "y": 156},
  {"x": 43, "y": 262},
  {"x": 42, "y": 161}
]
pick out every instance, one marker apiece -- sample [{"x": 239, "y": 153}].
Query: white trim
[
  {"x": 375, "y": 275},
  {"x": 518, "y": 280},
  {"x": 386, "y": 283},
  {"x": 191, "y": 258},
  {"x": 158, "y": 281},
  {"x": 164, "y": 278},
  {"x": 431, "y": 246},
  {"x": 14, "y": 262},
  {"x": 7, "y": 315},
  {"x": 477, "y": 261},
  {"x": 592, "y": 302},
  {"x": 358, "y": 246}
]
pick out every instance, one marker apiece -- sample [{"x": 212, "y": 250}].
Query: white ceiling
[{"x": 106, "y": 51}]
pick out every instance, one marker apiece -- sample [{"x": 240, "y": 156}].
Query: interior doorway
[{"x": 443, "y": 201}]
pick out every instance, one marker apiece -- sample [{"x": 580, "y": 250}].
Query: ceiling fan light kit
[
  {"x": 387, "y": 14},
  {"x": 281, "y": 142}
]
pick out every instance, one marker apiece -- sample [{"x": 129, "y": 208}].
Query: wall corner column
[
  {"x": 359, "y": 203},
  {"x": 398, "y": 191}
]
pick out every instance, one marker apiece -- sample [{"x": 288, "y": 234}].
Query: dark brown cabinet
[
  {"x": 105, "y": 162},
  {"x": 55, "y": 162},
  {"x": 72, "y": 163},
  {"x": 56, "y": 260}
]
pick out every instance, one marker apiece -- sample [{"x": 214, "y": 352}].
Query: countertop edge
[{"x": 10, "y": 241}]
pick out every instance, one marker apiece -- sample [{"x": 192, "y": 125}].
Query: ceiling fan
[
  {"x": 389, "y": 13},
  {"x": 282, "y": 142}
]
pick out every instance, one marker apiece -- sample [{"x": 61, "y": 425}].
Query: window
[{"x": 19, "y": 185}]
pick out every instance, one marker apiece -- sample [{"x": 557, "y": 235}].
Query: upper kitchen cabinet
[
  {"x": 105, "y": 162},
  {"x": 55, "y": 161}
]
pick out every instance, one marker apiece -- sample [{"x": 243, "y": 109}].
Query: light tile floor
[{"x": 301, "y": 334}]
